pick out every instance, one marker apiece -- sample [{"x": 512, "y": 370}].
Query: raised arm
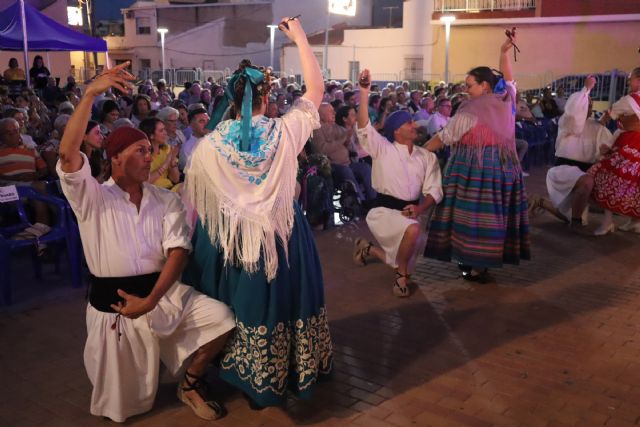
[
  {"x": 505, "y": 61},
  {"x": 70, "y": 159},
  {"x": 310, "y": 68},
  {"x": 365, "y": 88}
]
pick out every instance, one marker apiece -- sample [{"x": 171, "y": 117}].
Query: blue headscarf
[
  {"x": 393, "y": 123},
  {"x": 253, "y": 78}
]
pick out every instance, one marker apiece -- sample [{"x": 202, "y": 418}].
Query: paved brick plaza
[{"x": 553, "y": 343}]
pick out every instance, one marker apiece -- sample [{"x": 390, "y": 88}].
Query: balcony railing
[{"x": 482, "y": 5}]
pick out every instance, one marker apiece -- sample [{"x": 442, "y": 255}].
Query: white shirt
[
  {"x": 117, "y": 239},
  {"x": 625, "y": 106},
  {"x": 186, "y": 150},
  {"x": 398, "y": 173},
  {"x": 579, "y": 138},
  {"x": 436, "y": 122},
  {"x": 28, "y": 142}
]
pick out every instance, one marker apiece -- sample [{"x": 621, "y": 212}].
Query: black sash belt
[
  {"x": 390, "y": 202},
  {"x": 564, "y": 161},
  {"x": 103, "y": 290}
]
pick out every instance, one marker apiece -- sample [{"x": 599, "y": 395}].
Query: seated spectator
[
  {"x": 374, "y": 105},
  {"x": 169, "y": 117},
  {"x": 51, "y": 93},
  {"x": 272, "y": 110},
  {"x": 184, "y": 95},
  {"x": 141, "y": 109},
  {"x": 548, "y": 105},
  {"x": 93, "y": 147},
  {"x": 14, "y": 72},
  {"x": 39, "y": 74},
  {"x": 441, "y": 117},
  {"x": 18, "y": 114},
  {"x": 198, "y": 120},
  {"x": 109, "y": 113},
  {"x": 195, "y": 91},
  {"x": 421, "y": 116},
  {"x": 333, "y": 141},
  {"x": 22, "y": 166},
  {"x": 282, "y": 105},
  {"x": 205, "y": 99},
  {"x": 384, "y": 110},
  {"x": 164, "y": 171},
  {"x": 49, "y": 150},
  {"x": 122, "y": 121},
  {"x": 346, "y": 118},
  {"x": 523, "y": 112},
  {"x": 66, "y": 108},
  {"x": 560, "y": 99},
  {"x": 414, "y": 102}
]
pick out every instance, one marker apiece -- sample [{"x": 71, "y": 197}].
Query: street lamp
[
  {"x": 162, "y": 32},
  {"x": 447, "y": 19},
  {"x": 272, "y": 30},
  {"x": 339, "y": 7}
]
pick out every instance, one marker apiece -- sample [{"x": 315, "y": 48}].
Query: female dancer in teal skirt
[
  {"x": 253, "y": 249},
  {"x": 482, "y": 221}
]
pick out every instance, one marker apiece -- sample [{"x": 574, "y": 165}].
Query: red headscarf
[{"x": 121, "y": 138}]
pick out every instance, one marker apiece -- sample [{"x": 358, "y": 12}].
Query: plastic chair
[{"x": 64, "y": 231}]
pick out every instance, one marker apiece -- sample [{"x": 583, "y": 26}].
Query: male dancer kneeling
[{"x": 136, "y": 241}]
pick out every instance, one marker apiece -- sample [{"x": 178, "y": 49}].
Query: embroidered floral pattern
[
  {"x": 617, "y": 177},
  {"x": 265, "y": 357},
  {"x": 252, "y": 165}
]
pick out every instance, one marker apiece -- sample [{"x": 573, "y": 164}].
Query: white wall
[
  {"x": 201, "y": 45},
  {"x": 382, "y": 50}
]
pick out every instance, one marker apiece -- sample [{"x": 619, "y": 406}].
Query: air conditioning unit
[{"x": 130, "y": 14}]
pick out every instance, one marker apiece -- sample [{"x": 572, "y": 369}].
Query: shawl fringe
[
  {"x": 242, "y": 235},
  {"x": 473, "y": 145}
]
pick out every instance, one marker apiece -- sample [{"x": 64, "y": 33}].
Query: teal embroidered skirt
[{"x": 281, "y": 341}]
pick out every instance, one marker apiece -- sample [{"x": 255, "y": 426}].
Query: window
[
  {"x": 413, "y": 68},
  {"x": 145, "y": 63},
  {"x": 354, "y": 70},
  {"x": 143, "y": 25}
]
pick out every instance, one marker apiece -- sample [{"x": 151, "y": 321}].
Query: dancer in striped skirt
[{"x": 482, "y": 221}]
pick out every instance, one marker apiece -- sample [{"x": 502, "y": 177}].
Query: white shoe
[
  {"x": 525, "y": 174},
  {"x": 604, "y": 229},
  {"x": 631, "y": 225}
]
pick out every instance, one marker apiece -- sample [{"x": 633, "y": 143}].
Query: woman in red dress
[{"x": 617, "y": 176}]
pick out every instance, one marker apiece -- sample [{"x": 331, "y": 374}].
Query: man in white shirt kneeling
[
  {"x": 402, "y": 173},
  {"x": 136, "y": 241}
]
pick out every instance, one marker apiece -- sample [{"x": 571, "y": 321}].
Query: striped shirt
[{"x": 17, "y": 160}]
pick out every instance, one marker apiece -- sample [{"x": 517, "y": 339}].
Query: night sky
[{"x": 110, "y": 9}]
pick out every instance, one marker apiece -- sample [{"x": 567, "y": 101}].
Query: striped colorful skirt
[
  {"x": 482, "y": 220},
  {"x": 616, "y": 178},
  {"x": 282, "y": 340}
]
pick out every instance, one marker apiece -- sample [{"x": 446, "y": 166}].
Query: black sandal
[
  {"x": 483, "y": 277},
  {"x": 401, "y": 291},
  {"x": 211, "y": 410}
]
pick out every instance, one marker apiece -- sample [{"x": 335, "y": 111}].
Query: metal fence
[
  {"x": 610, "y": 86},
  {"x": 477, "y": 5}
]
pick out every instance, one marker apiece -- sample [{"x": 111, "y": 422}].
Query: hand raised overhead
[{"x": 117, "y": 77}]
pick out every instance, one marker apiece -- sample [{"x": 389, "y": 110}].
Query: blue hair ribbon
[{"x": 253, "y": 77}]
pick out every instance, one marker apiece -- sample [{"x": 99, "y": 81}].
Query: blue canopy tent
[{"x": 20, "y": 22}]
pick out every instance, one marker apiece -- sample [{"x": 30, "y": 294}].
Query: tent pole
[
  {"x": 106, "y": 60},
  {"x": 23, "y": 18},
  {"x": 48, "y": 61}
]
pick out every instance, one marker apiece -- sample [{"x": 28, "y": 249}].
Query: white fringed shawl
[{"x": 245, "y": 199}]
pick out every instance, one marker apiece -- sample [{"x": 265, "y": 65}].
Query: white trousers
[
  {"x": 560, "y": 182},
  {"x": 122, "y": 357},
  {"x": 388, "y": 227}
]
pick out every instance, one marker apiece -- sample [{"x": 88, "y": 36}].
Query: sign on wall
[{"x": 343, "y": 7}]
